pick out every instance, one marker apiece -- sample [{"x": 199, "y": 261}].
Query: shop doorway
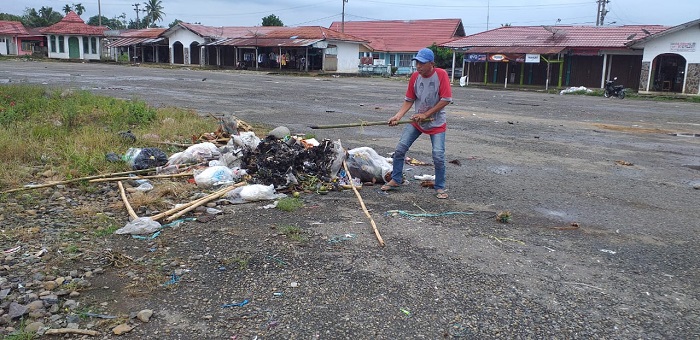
[
  {"x": 668, "y": 72},
  {"x": 178, "y": 53}
]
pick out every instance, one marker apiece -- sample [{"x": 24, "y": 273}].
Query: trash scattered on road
[
  {"x": 625, "y": 163},
  {"x": 341, "y": 238},
  {"x": 235, "y": 304},
  {"x": 174, "y": 278},
  {"x": 608, "y": 251},
  {"x": 139, "y": 226},
  {"x": 504, "y": 217},
  {"x": 580, "y": 89},
  {"x": 426, "y": 214},
  {"x": 424, "y": 177}
]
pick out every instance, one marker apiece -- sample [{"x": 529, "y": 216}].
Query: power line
[{"x": 573, "y": 4}]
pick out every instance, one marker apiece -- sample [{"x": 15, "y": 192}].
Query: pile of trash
[{"x": 285, "y": 162}]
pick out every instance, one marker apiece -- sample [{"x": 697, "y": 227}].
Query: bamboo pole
[
  {"x": 126, "y": 202},
  {"x": 36, "y": 186},
  {"x": 205, "y": 199},
  {"x": 362, "y": 203},
  {"x": 111, "y": 179},
  {"x": 187, "y": 205},
  {"x": 88, "y": 178},
  {"x": 56, "y": 331},
  {"x": 362, "y": 123}
]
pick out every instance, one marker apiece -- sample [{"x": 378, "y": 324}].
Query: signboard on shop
[
  {"x": 476, "y": 58},
  {"x": 682, "y": 47},
  {"x": 532, "y": 58}
]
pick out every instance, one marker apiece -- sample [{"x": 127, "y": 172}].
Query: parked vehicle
[{"x": 612, "y": 90}]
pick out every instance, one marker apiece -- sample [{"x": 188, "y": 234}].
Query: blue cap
[{"x": 425, "y": 56}]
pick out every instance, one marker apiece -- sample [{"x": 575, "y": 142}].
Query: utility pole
[
  {"x": 136, "y": 8},
  {"x": 99, "y": 13},
  {"x": 600, "y": 16},
  {"x": 342, "y": 22},
  {"x": 488, "y": 10}
]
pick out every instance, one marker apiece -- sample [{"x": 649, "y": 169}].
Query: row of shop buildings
[{"x": 650, "y": 58}]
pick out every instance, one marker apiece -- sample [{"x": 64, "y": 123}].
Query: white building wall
[
  {"x": 3, "y": 44},
  {"x": 348, "y": 59},
  {"x": 663, "y": 45},
  {"x": 185, "y": 37},
  {"x": 66, "y": 48}
]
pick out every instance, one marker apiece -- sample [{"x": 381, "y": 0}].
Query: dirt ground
[{"x": 603, "y": 241}]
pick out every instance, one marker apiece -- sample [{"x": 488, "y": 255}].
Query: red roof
[
  {"x": 12, "y": 28},
  {"x": 143, "y": 33},
  {"x": 509, "y": 38},
  {"x": 402, "y": 35},
  {"x": 223, "y": 31},
  {"x": 310, "y": 32},
  {"x": 266, "y": 35},
  {"x": 71, "y": 24}
]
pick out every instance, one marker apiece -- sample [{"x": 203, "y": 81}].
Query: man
[{"x": 430, "y": 92}]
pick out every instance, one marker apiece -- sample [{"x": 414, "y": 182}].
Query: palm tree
[
  {"x": 67, "y": 8},
  {"x": 79, "y": 8},
  {"x": 154, "y": 11}
]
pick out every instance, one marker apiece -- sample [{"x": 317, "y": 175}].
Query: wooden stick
[
  {"x": 32, "y": 186},
  {"x": 187, "y": 205},
  {"x": 56, "y": 331},
  {"x": 126, "y": 202},
  {"x": 205, "y": 199},
  {"x": 362, "y": 203},
  {"x": 111, "y": 179},
  {"x": 362, "y": 123}
]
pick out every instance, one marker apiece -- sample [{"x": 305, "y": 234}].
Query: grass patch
[
  {"x": 71, "y": 131},
  {"x": 293, "y": 233},
  {"x": 289, "y": 204},
  {"x": 21, "y": 333}
]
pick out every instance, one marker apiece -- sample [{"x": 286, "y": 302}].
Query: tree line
[
  {"x": 153, "y": 10},
  {"x": 47, "y": 16}
]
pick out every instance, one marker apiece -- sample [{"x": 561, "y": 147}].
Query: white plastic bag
[
  {"x": 141, "y": 225},
  {"x": 367, "y": 165},
  {"x": 248, "y": 139},
  {"x": 252, "y": 193},
  {"x": 338, "y": 159},
  {"x": 195, "y": 153},
  {"x": 213, "y": 175}
]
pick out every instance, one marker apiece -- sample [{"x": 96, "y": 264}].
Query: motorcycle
[{"x": 612, "y": 90}]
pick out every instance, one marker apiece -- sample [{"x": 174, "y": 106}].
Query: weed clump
[{"x": 289, "y": 204}]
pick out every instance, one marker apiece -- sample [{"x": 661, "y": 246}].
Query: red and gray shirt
[{"x": 426, "y": 92}]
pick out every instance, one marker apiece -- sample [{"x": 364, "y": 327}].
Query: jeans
[{"x": 409, "y": 135}]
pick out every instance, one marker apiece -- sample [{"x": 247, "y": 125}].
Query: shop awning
[
  {"x": 133, "y": 41},
  {"x": 264, "y": 42},
  {"x": 516, "y": 49}
]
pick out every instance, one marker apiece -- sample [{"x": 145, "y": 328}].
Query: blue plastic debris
[{"x": 235, "y": 304}]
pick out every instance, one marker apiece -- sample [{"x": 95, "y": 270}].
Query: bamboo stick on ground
[
  {"x": 131, "y": 211},
  {"x": 56, "y": 331},
  {"x": 87, "y": 178},
  {"x": 187, "y": 205},
  {"x": 111, "y": 179},
  {"x": 362, "y": 203},
  {"x": 205, "y": 199}
]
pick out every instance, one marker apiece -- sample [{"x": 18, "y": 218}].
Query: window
[
  {"x": 86, "y": 47},
  {"x": 53, "y": 43},
  {"x": 61, "y": 45},
  {"x": 93, "y": 42},
  {"x": 332, "y": 50},
  {"x": 405, "y": 60}
]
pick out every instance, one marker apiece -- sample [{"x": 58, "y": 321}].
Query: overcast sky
[{"x": 476, "y": 15}]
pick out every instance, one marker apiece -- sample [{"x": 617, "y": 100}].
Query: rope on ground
[{"x": 410, "y": 214}]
